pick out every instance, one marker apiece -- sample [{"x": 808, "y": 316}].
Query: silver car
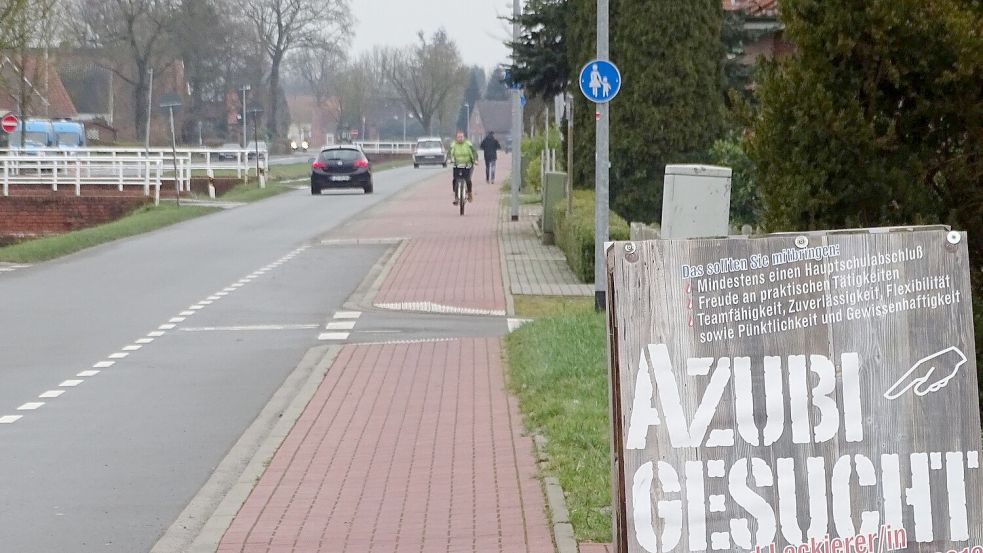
[{"x": 429, "y": 151}]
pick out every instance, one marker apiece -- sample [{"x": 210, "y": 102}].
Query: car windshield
[
  {"x": 340, "y": 155},
  {"x": 33, "y": 138},
  {"x": 429, "y": 144}
]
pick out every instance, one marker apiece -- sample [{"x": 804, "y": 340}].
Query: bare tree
[
  {"x": 319, "y": 66},
  {"x": 135, "y": 37},
  {"x": 27, "y": 26},
  {"x": 214, "y": 63},
  {"x": 426, "y": 76},
  {"x": 283, "y": 25},
  {"x": 10, "y": 12}
]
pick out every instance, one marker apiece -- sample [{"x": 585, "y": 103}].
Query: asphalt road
[{"x": 192, "y": 329}]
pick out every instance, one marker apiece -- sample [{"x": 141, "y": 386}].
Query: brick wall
[{"x": 30, "y": 216}]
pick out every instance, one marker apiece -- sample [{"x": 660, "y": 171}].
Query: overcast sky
[{"x": 472, "y": 24}]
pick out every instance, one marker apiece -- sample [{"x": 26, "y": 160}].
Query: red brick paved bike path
[
  {"x": 409, "y": 447},
  {"x": 448, "y": 260}
]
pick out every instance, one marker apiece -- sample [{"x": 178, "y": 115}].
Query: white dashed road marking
[
  {"x": 343, "y": 320},
  {"x": 514, "y": 324},
  {"x": 430, "y": 307},
  {"x": 161, "y": 331},
  {"x": 348, "y": 314},
  {"x": 9, "y": 268}
]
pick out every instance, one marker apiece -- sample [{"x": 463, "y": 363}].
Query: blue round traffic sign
[{"x": 600, "y": 81}]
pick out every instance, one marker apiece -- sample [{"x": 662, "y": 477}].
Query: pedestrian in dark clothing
[{"x": 490, "y": 147}]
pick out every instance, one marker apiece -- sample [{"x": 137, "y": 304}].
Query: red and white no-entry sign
[{"x": 9, "y": 123}]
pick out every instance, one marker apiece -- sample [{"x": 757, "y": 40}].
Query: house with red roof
[{"x": 35, "y": 82}]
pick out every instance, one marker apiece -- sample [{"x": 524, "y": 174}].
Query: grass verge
[
  {"x": 290, "y": 171},
  {"x": 533, "y": 307},
  {"x": 142, "y": 220},
  {"x": 251, "y": 192},
  {"x": 557, "y": 370}
]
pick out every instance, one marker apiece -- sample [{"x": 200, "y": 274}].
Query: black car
[{"x": 341, "y": 167}]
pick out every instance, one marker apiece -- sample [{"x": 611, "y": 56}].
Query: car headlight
[
  {"x": 304, "y": 145},
  {"x": 293, "y": 144}
]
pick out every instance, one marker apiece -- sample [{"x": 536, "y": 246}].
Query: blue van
[
  {"x": 35, "y": 134},
  {"x": 69, "y": 134}
]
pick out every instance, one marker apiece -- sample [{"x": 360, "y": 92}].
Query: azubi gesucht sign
[{"x": 811, "y": 393}]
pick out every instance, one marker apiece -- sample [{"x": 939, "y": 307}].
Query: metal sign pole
[
  {"x": 516, "y": 123},
  {"x": 177, "y": 185},
  {"x": 150, "y": 99},
  {"x": 602, "y": 167}
]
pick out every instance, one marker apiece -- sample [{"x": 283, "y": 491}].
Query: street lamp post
[
  {"x": 467, "y": 121},
  {"x": 170, "y": 101},
  {"x": 244, "y": 89},
  {"x": 256, "y": 110}
]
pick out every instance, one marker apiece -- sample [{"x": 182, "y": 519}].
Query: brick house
[
  {"x": 46, "y": 94},
  {"x": 492, "y": 116}
]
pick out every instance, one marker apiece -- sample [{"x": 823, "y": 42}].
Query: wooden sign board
[{"x": 795, "y": 394}]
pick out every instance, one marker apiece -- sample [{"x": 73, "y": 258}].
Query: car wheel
[
  {"x": 315, "y": 191},
  {"x": 445, "y": 166},
  {"x": 416, "y": 165},
  {"x": 368, "y": 188}
]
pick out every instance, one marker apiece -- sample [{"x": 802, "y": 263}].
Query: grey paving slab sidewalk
[{"x": 532, "y": 267}]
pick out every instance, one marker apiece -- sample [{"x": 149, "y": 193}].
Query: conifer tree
[{"x": 876, "y": 119}]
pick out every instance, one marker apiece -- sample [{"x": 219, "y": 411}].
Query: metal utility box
[
  {"x": 696, "y": 201},
  {"x": 554, "y": 193}
]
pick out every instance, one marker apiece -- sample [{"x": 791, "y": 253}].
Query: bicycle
[{"x": 461, "y": 173}]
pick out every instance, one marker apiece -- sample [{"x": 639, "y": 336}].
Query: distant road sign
[
  {"x": 9, "y": 123},
  {"x": 354, "y": 132},
  {"x": 600, "y": 81}
]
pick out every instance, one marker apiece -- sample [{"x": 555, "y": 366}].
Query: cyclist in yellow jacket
[{"x": 462, "y": 153}]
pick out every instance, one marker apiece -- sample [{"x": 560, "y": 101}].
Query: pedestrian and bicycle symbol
[{"x": 600, "y": 81}]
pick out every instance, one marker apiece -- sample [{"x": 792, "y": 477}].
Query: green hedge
[
  {"x": 575, "y": 234},
  {"x": 532, "y": 149}
]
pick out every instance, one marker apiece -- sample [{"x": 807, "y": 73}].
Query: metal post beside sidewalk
[
  {"x": 602, "y": 167},
  {"x": 170, "y": 101}
]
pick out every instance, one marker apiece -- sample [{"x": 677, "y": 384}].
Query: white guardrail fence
[
  {"x": 387, "y": 147},
  {"x": 122, "y": 167}
]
